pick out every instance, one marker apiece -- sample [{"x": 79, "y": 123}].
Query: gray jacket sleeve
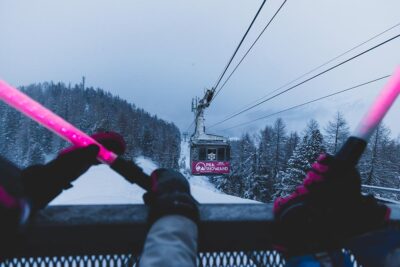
[{"x": 171, "y": 241}]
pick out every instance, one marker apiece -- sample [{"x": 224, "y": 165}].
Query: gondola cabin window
[
  {"x": 202, "y": 153},
  {"x": 211, "y": 154}
]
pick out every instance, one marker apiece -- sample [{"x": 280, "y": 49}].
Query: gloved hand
[
  {"x": 14, "y": 213},
  {"x": 42, "y": 183},
  {"x": 326, "y": 209},
  {"x": 14, "y": 210},
  {"x": 170, "y": 194}
]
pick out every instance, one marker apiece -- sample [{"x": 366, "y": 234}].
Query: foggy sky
[{"x": 160, "y": 54}]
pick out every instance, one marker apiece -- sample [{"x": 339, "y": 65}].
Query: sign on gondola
[{"x": 210, "y": 167}]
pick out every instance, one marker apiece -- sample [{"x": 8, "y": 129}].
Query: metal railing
[
  {"x": 384, "y": 194},
  {"x": 113, "y": 235},
  {"x": 381, "y": 188}
]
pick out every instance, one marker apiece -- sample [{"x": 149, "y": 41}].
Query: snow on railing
[
  {"x": 381, "y": 188},
  {"x": 384, "y": 199}
]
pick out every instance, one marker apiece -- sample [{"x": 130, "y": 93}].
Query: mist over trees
[
  {"x": 274, "y": 162},
  {"x": 92, "y": 110}
]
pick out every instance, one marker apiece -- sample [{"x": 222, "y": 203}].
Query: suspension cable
[
  {"x": 309, "y": 102},
  {"x": 307, "y": 80},
  {"x": 240, "y": 43},
  {"x": 247, "y": 52},
  {"x": 318, "y": 67},
  {"x": 190, "y": 126}
]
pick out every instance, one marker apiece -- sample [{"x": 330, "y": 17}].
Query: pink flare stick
[
  {"x": 382, "y": 104},
  {"x": 51, "y": 121}
]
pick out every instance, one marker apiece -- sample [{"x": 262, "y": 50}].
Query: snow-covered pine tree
[
  {"x": 246, "y": 165},
  {"x": 336, "y": 133},
  {"x": 240, "y": 182},
  {"x": 24, "y": 142},
  {"x": 379, "y": 164},
  {"x": 265, "y": 151},
  {"x": 278, "y": 141},
  {"x": 300, "y": 162},
  {"x": 291, "y": 142},
  {"x": 270, "y": 159}
]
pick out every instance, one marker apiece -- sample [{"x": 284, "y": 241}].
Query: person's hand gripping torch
[{"x": 67, "y": 131}]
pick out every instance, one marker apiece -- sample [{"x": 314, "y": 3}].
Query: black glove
[
  {"x": 170, "y": 194},
  {"x": 326, "y": 209},
  {"x": 14, "y": 210},
  {"x": 42, "y": 183}
]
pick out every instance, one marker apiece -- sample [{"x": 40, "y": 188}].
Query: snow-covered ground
[{"x": 101, "y": 185}]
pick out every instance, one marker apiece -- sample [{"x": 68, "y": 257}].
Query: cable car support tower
[{"x": 209, "y": 153}]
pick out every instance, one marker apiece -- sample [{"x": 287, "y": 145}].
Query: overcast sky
[{"x": 160, "y": 54}]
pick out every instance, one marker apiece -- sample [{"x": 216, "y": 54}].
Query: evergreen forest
[
  {"x": 274, "y": 162},
  {"x": 25, "y": 142}
]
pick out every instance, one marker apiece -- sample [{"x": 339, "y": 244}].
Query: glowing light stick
[
  {"x": 382, "y": 104},
  {"x": 59, "y": 126},
  {"x": 51, "y": 121},
  {"x": 355, "y": 145}
]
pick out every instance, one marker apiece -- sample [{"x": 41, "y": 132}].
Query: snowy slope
[{"x": 101, "y": 185}]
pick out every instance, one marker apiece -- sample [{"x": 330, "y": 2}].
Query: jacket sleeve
[{"x": 171, "y": 241}]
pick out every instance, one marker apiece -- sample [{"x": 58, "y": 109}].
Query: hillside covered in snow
[{"x": 101, "y": 185}]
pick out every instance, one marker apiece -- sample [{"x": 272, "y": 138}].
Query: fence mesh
[{"x": 204, "y": 259}]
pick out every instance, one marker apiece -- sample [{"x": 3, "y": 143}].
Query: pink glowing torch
[
  {"x": 58, "y": 125},
  {"x": 382, "y": 104},
  {"x": 355, "y": 145},
  {"x": 51, "y": 121}
]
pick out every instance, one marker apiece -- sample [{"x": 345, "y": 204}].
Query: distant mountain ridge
[{"x": 91, "y": 110}]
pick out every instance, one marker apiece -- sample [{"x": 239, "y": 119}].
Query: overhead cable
[
  {"x": 307, "y": 80},
  {"x": 190, "y": 126},
  {"x": 318, "y": 67},
  {"x": 247, "y": 52},
  {"x": 237, "y": 48},
  {"x": 309, "y": 102}
]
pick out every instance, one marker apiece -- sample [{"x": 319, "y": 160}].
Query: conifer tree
[
  {"x": 337, "y": 132},
  {"x": 278, "y": 141},
  {"x": 25, "y": 142},
  {"x": 300, "y": 162},
  {"x": 265, "y": 151}
]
